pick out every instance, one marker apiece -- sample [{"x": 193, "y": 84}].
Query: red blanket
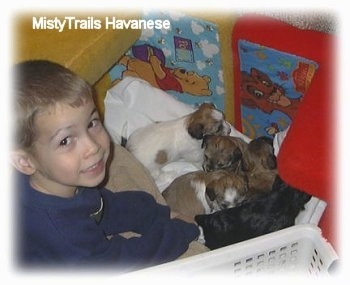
[{"x": 306, "y": 158}]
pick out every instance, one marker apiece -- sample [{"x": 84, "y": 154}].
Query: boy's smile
[
  {"x": 70, "y": 150},
  {"x": 95, "y": 169}
]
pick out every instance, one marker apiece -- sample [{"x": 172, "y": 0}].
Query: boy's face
[{"x": 71, "y": 149}]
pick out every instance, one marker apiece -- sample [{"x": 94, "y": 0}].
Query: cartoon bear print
[
  {"x": 153, "y": 70},
  {"x": 258, "y": 91}
]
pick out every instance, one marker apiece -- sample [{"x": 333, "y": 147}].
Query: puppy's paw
[{"x": 201, "y": 238}]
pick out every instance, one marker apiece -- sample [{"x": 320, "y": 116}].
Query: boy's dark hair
[{"x": 39, "y": 85}]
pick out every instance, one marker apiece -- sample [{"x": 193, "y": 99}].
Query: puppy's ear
[
  {"x": 205, "y": 141},
  {"x": 270, "y": 162},
  {"x": 267, "y": 140},
  {"x": 196, "y": 130},
  {"x": 210, "y": 192},
  {"x": 245, "y": 164},
  {"x": 200, "y": 219},
  {"x": 237, "y": 154}
]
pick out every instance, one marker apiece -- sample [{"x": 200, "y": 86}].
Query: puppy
[
  {"x": 268, "y": 212},
  {"x": 259, "y": 165},
  {"x": 161, "y": 143},
  {"x": 199, "y": 192},
  {"x": 223, "y": 152}
]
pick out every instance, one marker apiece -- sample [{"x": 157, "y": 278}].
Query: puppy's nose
[
  {"x": 182, "y": 70},
  {"x": 208, "y": 167},
  {"x": 228, "y": 128},
  {"x": 223, "y": 206}
]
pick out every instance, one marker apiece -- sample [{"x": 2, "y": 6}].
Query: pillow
[
  {"x": 125, "y": 173},
  {"x": 273, "y": 84}
]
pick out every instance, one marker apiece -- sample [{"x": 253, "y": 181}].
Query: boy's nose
[{"x": 92, "y": 146}]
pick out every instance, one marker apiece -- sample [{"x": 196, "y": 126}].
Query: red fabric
[{"x": 306, "y": 159}]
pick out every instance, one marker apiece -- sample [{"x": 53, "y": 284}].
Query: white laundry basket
[{"x": 297, "y": 249}]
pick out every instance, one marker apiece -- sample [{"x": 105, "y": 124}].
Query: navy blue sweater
[{"x": 56, "y": 230}]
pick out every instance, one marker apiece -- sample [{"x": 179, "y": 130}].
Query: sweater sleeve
[
  {"x": 163, "y": 242},
  {"x": 130, "y": 211},
  {"x": 162, "y": 238}
]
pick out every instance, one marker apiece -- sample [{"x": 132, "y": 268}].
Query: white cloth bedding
[{"x": 134, "y": 103}]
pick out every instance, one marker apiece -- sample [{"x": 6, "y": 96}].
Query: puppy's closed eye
[
  {"x": 237, "y": 154},
  {"x": 210, "y": 193},
  {"x": 205, "y": 141},
  {"x": 220, "y": 128}
]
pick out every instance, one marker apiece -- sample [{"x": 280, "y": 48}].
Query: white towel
[{"x": 134, "y": 103}]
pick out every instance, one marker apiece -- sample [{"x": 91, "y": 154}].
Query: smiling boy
[{"x": 60, "y": 151}]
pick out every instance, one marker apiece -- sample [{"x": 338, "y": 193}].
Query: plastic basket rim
[{"x": 270, "y": 240}]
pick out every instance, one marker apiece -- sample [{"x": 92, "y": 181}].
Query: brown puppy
[
  {"x": 259, "y": 165},
  {"x": 223, "y": 152},
  {"x": 202, "y": 193}
]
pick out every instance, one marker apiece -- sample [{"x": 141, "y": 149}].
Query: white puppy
[{"x": 178, "y": 140}]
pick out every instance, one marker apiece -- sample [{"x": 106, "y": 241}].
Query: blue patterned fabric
[
  {"x": 273, "y": 84},
  {"x": 190, "y": 44}
]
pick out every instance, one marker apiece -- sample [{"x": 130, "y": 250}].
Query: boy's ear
[{"x": 21, "y": 160}]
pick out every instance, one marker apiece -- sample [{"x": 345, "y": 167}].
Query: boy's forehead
[
  {"x": 60, "y": 107},
  {"x": 63, "y": 115},
  {"x": 73, "y": 103}
]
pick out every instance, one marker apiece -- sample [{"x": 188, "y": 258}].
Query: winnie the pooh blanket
[{"x": 183, "y": 60}]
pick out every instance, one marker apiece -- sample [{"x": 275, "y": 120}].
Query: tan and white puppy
[
  {"x": 203, "y": 192},
  {"x": 223, "y": 152},
  {"x": 177, "y": 140}
]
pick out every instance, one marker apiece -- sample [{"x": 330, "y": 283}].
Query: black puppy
[{"x": 263, "y": 214}]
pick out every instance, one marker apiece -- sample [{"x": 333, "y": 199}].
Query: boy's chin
[{"x": 94, "y": 182}]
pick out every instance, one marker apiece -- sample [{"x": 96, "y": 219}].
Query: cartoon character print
[
  {"x": 258, "y": 91},
  {"x": 149, "y": 65},
  {"x": 272, "y": 129}
]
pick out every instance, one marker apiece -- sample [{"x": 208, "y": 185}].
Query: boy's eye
[
  {"x": 93, "y": 123},
  {"x": 65, "y": 141}
]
